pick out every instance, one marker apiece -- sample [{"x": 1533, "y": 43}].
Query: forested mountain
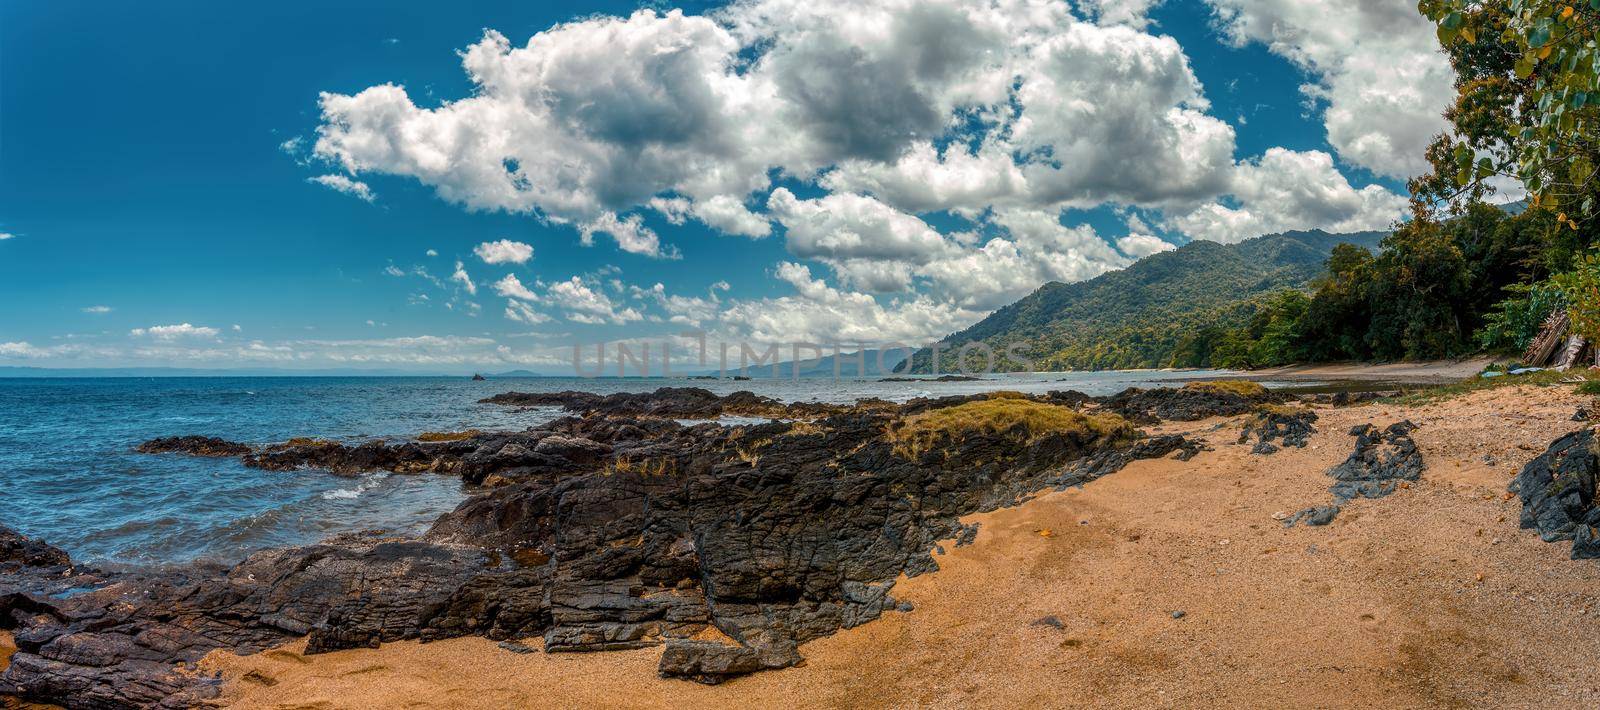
[{"x": 1165, "y": 310}]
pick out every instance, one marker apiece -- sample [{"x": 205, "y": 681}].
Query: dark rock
[
  {"x": 517, "y": 648},
  {"x": 1316, "y": 515},
  {"x": 193, "y": 446},
  {"x": 1188, "y": 403},
  {"x": 1067, "y": 398},
  {"x": 712, "y": 663},
  {"x": 1383, "y": 458},
  {"x": 1558, "y": 492},
  {"x": 18, "y": 550},
  {"x": 1048, "y": 621},
  {"x": 1582, "y": 415},
  {"x": 1179, "y": 614},
  {"x": 133, "y": 640},
  {"x": 1344, "y": 399},
  {"x": 1290, "y": 426}
]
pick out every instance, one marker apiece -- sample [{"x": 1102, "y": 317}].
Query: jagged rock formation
[
  {"x": 604, "y": 533},
  {"x": 1558, "y": 493},
  {"x": 1290, "y": 426},
  {"x": 1383, "y": 459}
]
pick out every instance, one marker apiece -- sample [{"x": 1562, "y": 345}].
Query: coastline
[{"x": 1431, "y": 597}]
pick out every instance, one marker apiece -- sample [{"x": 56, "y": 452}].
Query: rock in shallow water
[{"x": 194, "y": 446}]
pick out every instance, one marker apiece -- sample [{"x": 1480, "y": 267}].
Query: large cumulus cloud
[{"x": 1004, "y": 113}]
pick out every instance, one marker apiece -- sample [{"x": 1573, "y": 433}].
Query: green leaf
[
  {"x": 1524, "y": 65},
  {"x": 1539, "y": 36}
]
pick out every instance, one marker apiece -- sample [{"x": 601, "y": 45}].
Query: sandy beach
[{"x": 1168, "y": 584}]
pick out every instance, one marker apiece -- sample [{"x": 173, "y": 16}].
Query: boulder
[
  {"x": 1557, "y": 489},
  {"x": 193, "y": 446}
]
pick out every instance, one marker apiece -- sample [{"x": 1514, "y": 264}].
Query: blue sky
[{"x": 159, "y": 166}]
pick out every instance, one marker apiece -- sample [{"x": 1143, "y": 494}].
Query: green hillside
[{"x": 1155, "y": 313}]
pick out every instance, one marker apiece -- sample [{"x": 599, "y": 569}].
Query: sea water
[{"x": 69, "y": 474}]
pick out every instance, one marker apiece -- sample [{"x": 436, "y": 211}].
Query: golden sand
[{"x": 1431, "y": 597}]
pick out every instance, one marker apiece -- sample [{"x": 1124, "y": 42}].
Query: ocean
[{"x": 69, "y": 474}]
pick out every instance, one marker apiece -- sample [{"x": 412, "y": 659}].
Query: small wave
[{"x": 367, "y": 483}]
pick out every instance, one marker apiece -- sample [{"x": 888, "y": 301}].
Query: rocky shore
[
  {"x": 731, "y": 549},
  {"x": 619, "y": 529}
]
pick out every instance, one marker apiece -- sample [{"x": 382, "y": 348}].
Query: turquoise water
[{"x": 68, "y": 472}]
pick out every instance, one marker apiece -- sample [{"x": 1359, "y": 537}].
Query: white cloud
[
  {"x": 340, "y": 183},
  {"x": 586, "y": 305},
  {"x": 511, "y": 287},
  {"x": 692, "y": 311},
  {"x": 393, "y": 270},
  {"x": 174, "y": 332},
  {"x": 524, "y": 313},
  {"x": 1139, "y": 246},
  {"x": 845, "y": 226},
  {"x": 819, "y": 313},
  {"x": 431, "y": 252},
  {"x": 593, "y": 118},
  {"x": 1284, "y": 190},
  {"x": 1037, "y": 249},
  {"x": 97, "y": 309},
  {"x": 7, "y": 235},
  {"x": 20, "y": 349},
  {"x": 730, "y": 216},
  {"x": 460, "y": 276},
  {"x": 631, "y": 234},
  {"x": 1382, "y": 76},
  {"x": 504, "y": 251},
  {"x": 1132, "y": 13}
]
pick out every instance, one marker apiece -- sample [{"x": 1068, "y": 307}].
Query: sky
[{"x": 479, "y": 186}]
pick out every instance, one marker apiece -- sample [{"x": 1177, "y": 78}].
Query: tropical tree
[{"x": 1528, "y": 103}]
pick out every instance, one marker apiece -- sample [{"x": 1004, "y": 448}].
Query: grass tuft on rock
[
  {"x": 306, "y": 441},
  {"x": 1243, "y": 388},
  {"x": 1282, "y": 410},
  {"x": 1027, "y": 419},
  {"x": 1007, "y": 394}
]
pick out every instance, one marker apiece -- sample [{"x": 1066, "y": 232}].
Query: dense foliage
[
  {"x": 1527, "y": 106},
  {"x": 1434, "y": 290}
]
